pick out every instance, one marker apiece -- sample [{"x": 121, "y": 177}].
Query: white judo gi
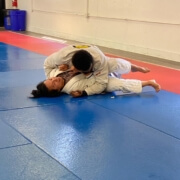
[
  {"x": 80, "y": 82},
  {"x": 99, "y": 80}
]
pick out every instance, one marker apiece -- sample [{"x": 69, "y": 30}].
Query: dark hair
[
  {"x": 82, "y": 60},
  {"x": 42, "y": 91}
]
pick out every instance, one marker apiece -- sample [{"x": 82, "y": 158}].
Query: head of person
[
  {"x": 82, "y": 61},
  {"x": 49, "y": 88}
]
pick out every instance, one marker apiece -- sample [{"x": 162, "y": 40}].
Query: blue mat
[
  {"x": 14, "y": 79},
  {"x": 98, "y": 143},
  {"x": 31, "y": 163},
  {"x": 160, "y": 111},
  {"x": 10, "y": 137},
  {"x": 14, "y": 59},
  {"x": 100, "y": 137}
]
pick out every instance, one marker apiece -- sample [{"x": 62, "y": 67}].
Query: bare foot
[
  {"x": 155, "y": 85},
  {"x": 143, "y": 69},
  {"x": 135, "y": 68}
]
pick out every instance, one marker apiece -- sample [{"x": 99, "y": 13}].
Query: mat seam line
[{"x": 139, "y": 122}]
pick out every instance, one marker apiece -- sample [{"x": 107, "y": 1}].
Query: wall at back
[{"x": 142, "y": 26}]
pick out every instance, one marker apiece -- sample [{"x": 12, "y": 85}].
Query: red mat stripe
[
  {"x": 30, "y": 43},
  {"x": 167, "y": 77}
]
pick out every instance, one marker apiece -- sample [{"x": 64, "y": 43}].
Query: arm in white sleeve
[
  {"x": 63, "y": 56},
  {"x": 51, "y": 63},
  {"x": 101, "y": 80}
]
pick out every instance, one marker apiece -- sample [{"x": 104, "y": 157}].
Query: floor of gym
[{"x": 100, "y": 137}]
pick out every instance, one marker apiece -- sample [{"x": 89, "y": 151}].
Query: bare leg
[
  {"x": 153, "y": 84},
  {"x": 135, "y": 68}
]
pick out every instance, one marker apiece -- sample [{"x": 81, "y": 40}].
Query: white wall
[{"x": 147, "y": 27}]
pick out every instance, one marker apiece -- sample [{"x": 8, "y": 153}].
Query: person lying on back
[{"x": 74, "y": 83}]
